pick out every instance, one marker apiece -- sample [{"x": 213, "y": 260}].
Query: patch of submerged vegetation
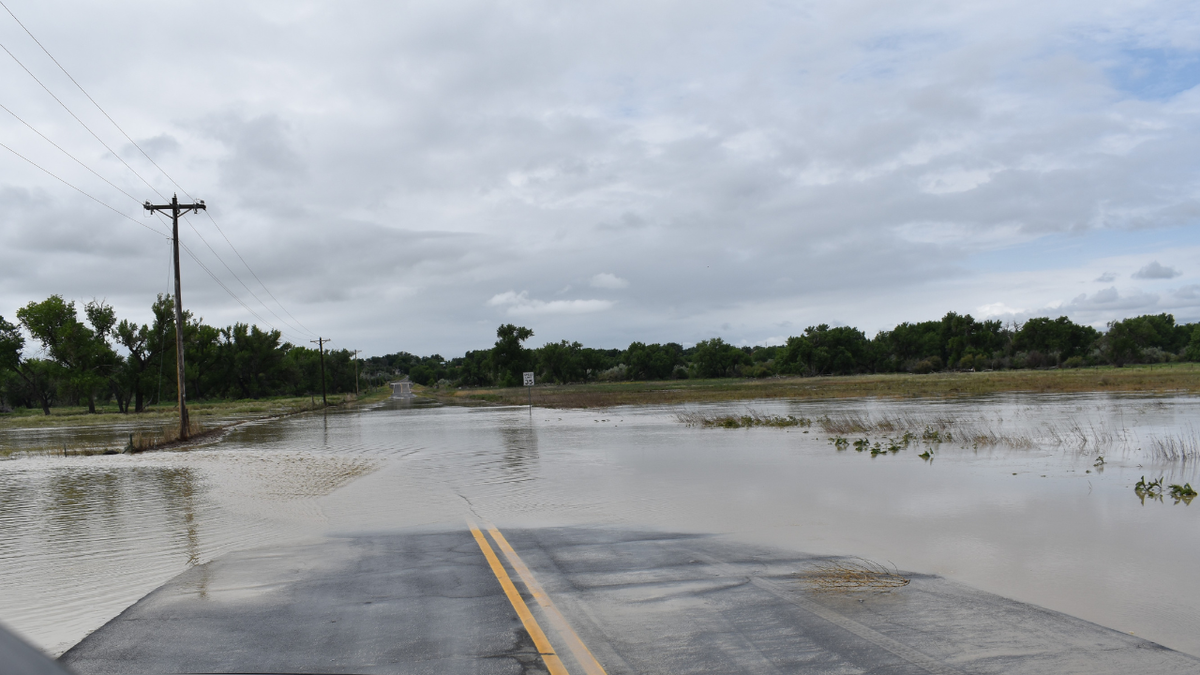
[
  {"x": 1182, "y": 492},
  {"x": 1155, "y": 489},
  {"x": 853, "y": 574},
  {"x": 1175, "y": 448},
  {"x": 744, "y": 421},
  {"x": 887, "y": 445}
]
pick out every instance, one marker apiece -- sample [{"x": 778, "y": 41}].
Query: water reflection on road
[{"x": 82, "y": 538}]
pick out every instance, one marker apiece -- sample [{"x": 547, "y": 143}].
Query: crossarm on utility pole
[
  {"x": 320, "y": 342},
  {"x": 175, "y": 208}
]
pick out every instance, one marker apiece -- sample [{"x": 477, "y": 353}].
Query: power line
[
  {"x": 81, "y": 122},
  {"x": 220, "y": 283},
  {"x": 89, "y": 97},
  {"x": 28, "y": 32},
  {"x": 225, "y": 288},
  {"x": 235, "y": 276},
  {"x": 77, "y": 160},
  {"x": 260, "y": 282},
  {"x": 64, "y": 182}
]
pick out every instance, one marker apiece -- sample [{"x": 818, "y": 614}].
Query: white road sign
[{"x": 528, "y": 379}]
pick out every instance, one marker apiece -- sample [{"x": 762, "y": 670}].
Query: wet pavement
[{"x": 640, "y": 602}]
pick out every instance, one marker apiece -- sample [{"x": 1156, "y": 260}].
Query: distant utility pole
[
  {"x": 320, "y": 341},
  {"x": 356, "y": 373},
  {"x": 176, "y": 208}
]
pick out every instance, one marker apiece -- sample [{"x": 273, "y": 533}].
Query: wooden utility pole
[
  {"x": 320, "y": 342},
  {"x": 176, "y": 208},
  {"x": 356, "y": 373}
]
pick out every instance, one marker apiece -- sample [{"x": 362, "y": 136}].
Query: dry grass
[
  {"x": 142, "y": 441},
  {"x": 1170, "y": 378},
  {"x": 851, "y": 575}
]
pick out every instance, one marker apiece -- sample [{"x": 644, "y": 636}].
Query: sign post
[{"x": 527, "y": 378}]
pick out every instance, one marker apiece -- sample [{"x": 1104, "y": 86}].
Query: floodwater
[{"x": 82, "y": 538}]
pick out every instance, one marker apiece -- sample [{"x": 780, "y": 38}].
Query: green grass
[
  {"x": 207, "y": 414},
  {"x": 1155, "y": 379}
]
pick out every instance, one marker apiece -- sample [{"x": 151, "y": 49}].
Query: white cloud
[
  {"x": 520, "y": 304},
  {"x": 1155, "y": 270},
  {"x": 606, "y": 280},
  {"x": 1107, "y": 277},
  {"x": 997, "y": 309}
]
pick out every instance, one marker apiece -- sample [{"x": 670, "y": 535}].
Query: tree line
[
  {"x": 80, "y": 361},
  {"x": 955, "y": 342},
  {"x": 98, "y": 360}
]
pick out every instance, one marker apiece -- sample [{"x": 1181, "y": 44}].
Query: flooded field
[{"x": 1009, "y": 498}]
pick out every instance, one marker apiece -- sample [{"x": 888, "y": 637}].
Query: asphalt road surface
[{"x": 585, "y": 602}]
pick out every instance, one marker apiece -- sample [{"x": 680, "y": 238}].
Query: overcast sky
[{"x": 410, "y": 175}]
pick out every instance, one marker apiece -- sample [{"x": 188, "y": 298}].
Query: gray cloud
[
  {"x": 409, "y": 176},
  {"x": 1107, "y": 277},
  {"x": 1154, "y": 270}
]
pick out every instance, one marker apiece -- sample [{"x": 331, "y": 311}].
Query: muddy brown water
[{"x": 82, "y": 538}]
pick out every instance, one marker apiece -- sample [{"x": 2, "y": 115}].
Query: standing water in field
[{"x": 1008, "y": 494}]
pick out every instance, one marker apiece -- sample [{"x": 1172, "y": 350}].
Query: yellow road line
[
  {"x": 580, "y": 651},
  {"x": 553, "y": 663}
]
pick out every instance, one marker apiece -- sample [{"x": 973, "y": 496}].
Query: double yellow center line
[{"x": 564, "y": 634}]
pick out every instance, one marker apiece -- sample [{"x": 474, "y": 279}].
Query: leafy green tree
[
  {"x": 1127, "y": 340},
  {"x": 717, "y": 358},
  {"x": 826, "y": 351},
  {"x": 81, "y": 350},
  {"x": 561, "y": 362},
  {"x": 652, "y": 362},
  {"x": 38, "y": 376},
  {"x": 1060, "y": 337},
  {"x": 1192, "y": 352},
  {"x": 138, "y": 341},
  {"x": 255, "y": 359},
  {"x": 509, "y": 358},
  {"x": 473, "y": 369}
]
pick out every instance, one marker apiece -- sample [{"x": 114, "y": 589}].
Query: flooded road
[{"x": 83, "y": 538}]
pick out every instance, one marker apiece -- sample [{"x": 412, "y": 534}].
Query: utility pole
[
  {"x": 356, "y": 373},
  {"x": 320, "y": 341},
  {"x": 175, "y": 209}
]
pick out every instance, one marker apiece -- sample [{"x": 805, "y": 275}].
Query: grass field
[
  {"x": 207, "y": 414},
  {"x": 1175, "y": 378}
]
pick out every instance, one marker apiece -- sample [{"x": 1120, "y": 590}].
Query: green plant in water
[
  {"x": 931, "y": 435},
  {"x": 1182, "y": 493},
  {"x": 862, "y": 444},
  {"x": 1152, "y": 488},
  {"x": 1099, "y": 461},
  {"x": 927, "y": 455},
  {"x": 839, "y": 442}
]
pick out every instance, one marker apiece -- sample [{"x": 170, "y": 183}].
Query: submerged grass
[
  {"x": 750, "y": 419},
  {"x": 1166, "y": 378},
  {"x": 158, "y": 427},
  {"x": 852, "y": 574},
  {"x": 1182, "y": 448},
  {"x": 933, "y": 430}
]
